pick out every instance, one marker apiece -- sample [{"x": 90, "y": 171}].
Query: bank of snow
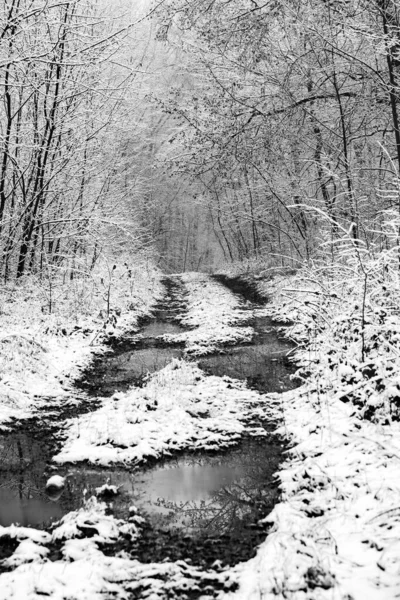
[
  {"x": 336, "y": 533},
  {"x": 49, "y": 334},
  {"x": 213, "y": 315},
  {"x": 178, "y": 408}
]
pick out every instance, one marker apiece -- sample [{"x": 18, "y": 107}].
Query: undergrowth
[
  {"x": 346, "y": 317},
  {"x": 48, "y": 325}
]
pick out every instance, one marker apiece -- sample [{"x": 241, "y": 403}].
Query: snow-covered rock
[
  {"x": 56, "y": 482},
  {"x": 107, "y": 490}
]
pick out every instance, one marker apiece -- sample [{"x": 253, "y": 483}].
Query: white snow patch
[
  {"x": 56, "y": 481},
  {"x": 104, "y": 528},
  {"x": 42, "y": 353},
  {"x": 28, "y": 551},
  {"x": 179, "y": 408},
  {"x": 87, "y": 574},
  {"x": 25, "y": 533},
  {"x": 107, "y": 490},
  {"x": 212, "y": 313}
]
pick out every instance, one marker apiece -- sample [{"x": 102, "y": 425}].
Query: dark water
[
  {"x": 22, "y": 483},
  {"x": 119, "y": 372},
  {"x": 195, "y": 493},
  {"x": 160, "y": 327},
  {"x": 265, "y": 365},
  {"x": 212, "y": 494},
  {"x": 132, "y": 360},
  {"x": 133, "y": 357}
]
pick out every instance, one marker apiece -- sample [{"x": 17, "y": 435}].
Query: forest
[
  {"x": 200, "y": 280},
  {"x": 222, "y": 131}
]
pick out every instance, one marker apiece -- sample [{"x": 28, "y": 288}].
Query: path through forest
[{"x": 188, "y": 481}]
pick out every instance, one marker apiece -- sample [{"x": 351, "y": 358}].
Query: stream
[{"x": 197, "y": 506}]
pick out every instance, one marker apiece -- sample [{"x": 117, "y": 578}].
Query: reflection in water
[
  {"x": 133, "y": 360},
  {"x": 23, "y": 476},
  {"x": 158, "y": 327},
  {"x": 194, "y": 493},
  {"x": 210, "y": 494},
  {"x": 260, "y": 366},
  {"x": 23, "y": 498},
  {"x": 120, "y": 372},
  {"x": 265, "y": 365}
]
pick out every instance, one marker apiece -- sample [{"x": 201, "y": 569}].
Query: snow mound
[
  {"x": 212, "y": 313},
  {"x": 179, "y": 408}
]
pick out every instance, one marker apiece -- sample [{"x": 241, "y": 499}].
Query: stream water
[{"x": 196, "y": 497}]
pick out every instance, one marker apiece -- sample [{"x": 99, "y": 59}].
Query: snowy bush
[
  {"x": 347, "y": 324},
  {"x": 49, "y": 327}
]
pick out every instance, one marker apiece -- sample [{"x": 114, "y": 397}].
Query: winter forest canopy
[{"x": 201, "y": 132}]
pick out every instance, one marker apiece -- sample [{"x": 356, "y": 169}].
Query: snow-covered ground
[
  {"x": 178, "y": 409},
  {"x": 336, "y": 531},
  {"x": 41, "y": 352},
  {"x": 213, "y": 315},
  {"x": 83, "y": 571}
]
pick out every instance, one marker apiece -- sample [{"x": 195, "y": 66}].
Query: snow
[
  {"x": 90, "y": 575},
  {"x": 85, "y": 573},
  {"x": 41, "y": 353},
  {"x": 107, "y": 490},
  {"x": 103, "y": 528},
  {"x": 335, "y": 534},
  {"x": 178, "y": 408},
  {"x": 339, "y": 515},
  {"x": 212, "y": 315},
  {"x": 56, "y": 481},
  {"x": 28, "y": 551},
  {"x": 24, "y": 533}
]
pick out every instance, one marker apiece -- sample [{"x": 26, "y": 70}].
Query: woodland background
[{"x": 196, "y": 132}]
